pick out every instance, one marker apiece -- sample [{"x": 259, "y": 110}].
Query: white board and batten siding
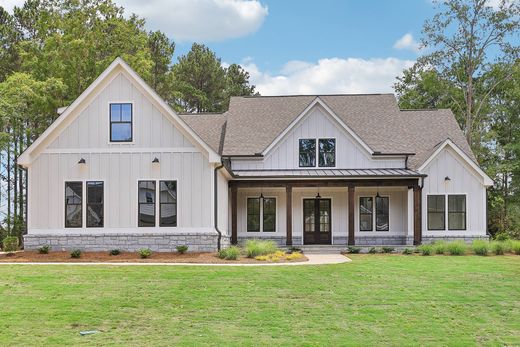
[
  {"x": 463, "y": 180},
  {"x": 317, "y": 124},
  {"x": 120, "y": 166}
]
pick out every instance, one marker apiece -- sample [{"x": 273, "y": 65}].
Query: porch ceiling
[{"x": 329, "y": 173}]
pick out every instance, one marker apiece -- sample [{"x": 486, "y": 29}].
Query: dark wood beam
[
  {"x": 234, "y": 232},
  {"x": 288, "y": 209},
  {"x": 351, "y": 236},
  {"x": 417, "y": 223},
  {"x": 408, "y": 182}
]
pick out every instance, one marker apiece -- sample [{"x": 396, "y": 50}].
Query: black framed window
[
  {"x": 73, "y": 204},
  {"x": 457, "y": 212},
  {"x": 121, "y": 118},
  {"x": 168, "y": 203},
  {"x": 382, "y": 213},
  {"x": 307, "y": 152},
  {"x": 436, "y": 212},
  {"x": 253, "y": 214},
  {"x": 269, "y": 214},
  {"x": 327, "y": 152},
  {"x": 366, "y": 213},
  {"x": 95, "y": 201},
  {"x": 146, "y": 193}
]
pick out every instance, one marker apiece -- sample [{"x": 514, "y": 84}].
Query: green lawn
[{"x": 376, "y": 299}]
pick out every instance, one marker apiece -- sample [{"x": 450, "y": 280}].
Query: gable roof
[
  {"x": 209, "y": 126},
  {"x": 67, "y": 115}
]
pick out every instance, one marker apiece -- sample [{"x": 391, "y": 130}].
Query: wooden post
[
  {"x": 351, "y": 237},
  {"x": 417, "y": 228},
  {"x": 234, "y": 233},
  {"x": 288, "y": 210}
]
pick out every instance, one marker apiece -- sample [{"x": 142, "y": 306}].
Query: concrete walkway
[{"x": 314, "y": 259}]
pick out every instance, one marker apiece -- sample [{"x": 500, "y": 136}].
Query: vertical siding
[{"x": 463, "y": 180}]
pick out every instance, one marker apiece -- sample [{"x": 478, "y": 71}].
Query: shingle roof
[{"x": 252, "y": 123}]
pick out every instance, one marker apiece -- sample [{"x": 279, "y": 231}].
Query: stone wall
[
  {"x": 467, "y": 239},
  {"x": 158, "y": 242}
]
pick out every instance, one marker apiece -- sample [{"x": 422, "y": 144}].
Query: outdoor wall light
[
  {"x": 82, "y": 161},
  {"x": 447, "y": 178},
  {"x": 155, "y": 160}
]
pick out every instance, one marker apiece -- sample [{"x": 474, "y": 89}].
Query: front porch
[{"x": 327, "y": 211}]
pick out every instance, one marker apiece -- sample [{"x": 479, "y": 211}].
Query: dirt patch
[{"x": 126, "y": 257}]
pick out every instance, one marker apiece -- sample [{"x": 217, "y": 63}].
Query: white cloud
[
  {"x": 407, "y": 42},
  {"x": 329, "y": 76},
  {"x": 193, "y": 20}
]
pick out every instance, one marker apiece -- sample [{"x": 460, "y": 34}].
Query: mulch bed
[{"x": 126, "y": 257}]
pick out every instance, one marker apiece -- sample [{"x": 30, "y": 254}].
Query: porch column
[
  {"x": 234, "y": 234},
  {"x": 351, "y": 240},
  {"x": 417, "y": 227},
  {"x": 288, "y": 210}
]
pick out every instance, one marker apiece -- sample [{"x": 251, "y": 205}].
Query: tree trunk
[{"x": 469, "y": 110}]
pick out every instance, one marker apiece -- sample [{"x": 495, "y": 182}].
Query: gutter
[{"x": 215, "y": 204}]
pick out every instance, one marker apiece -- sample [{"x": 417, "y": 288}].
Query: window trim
[
  {"x": 168, "y": 203},
  {"x": 446, "y": 212},
  {"x": 374, "y": 217},
  {"x": 154, "y": 204},
  {"x": 428, "y": 212},
  {"x": 132, "y": 103},
  {"x": 261, "y": 215},
  {"x": 317, "y": 152},
  {"x": 65, "y": 204},
  {"x": 465, "y": 211},
  {"x": 86, "y": 203}
]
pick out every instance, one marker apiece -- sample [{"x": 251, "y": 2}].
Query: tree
[
  {"x": 465, "y": 36},
  {"x": 161, "y": 50},
  {"x": 237, "y": 83},
  {"x": 9, "y": 36}
]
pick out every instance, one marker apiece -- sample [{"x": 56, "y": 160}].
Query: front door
[{"x": 316, "y": 222}]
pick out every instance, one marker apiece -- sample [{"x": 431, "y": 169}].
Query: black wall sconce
[
  {"x": 82, "y": 161},
  {"x": 447, "y": 179},
  {"x": 155, "y": 160}
]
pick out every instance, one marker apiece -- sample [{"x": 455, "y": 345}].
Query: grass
[{"x": 374, "y": 300}]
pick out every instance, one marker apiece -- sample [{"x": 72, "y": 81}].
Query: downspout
[{"x": 215, "y": 204}]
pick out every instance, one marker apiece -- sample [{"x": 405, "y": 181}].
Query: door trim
[{"x": 303, "y": 219}]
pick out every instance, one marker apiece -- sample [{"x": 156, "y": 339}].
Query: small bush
[
  {"x": 388, "y": 249},
  {"x": 75, "y": 253},
  {"x": 498, "y": 247},
  {"x": 354, "y": 250},
  {"x": 182, "y": 249},
  {"x": 372, "y": 250},
  {"x": 502, "y": 236},
  {"x": 294, "y": 249},
  {"x": 10, "y": 244},
  {"x": 426, "y": 249},
  {"x": 456, "y": 248},
  {"x": 515, "y": 247},
  {"x": 439, "y": 247},
  {"x": 230, "y": 253},
  {"x": 115, "y": 252},
  {"x": 407, "y": 251},
  {"x": 44, "y": 249},
  {"x": 145, "y": 253},
  {"x": 272, "y": 257},
  {"x": 255, "y": 248},
  {"x": 480, "y": 247},
  {"x": 294, "y": 256}
]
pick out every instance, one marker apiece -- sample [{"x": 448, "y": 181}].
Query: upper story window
[
  {"x": 325, "y": 151},
  {"x": 121, "y": 118}
]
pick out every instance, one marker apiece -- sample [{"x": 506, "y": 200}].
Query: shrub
[
  {"x": 10, "y": 244},
  {"x": 352, "y": 249},
  {"x": 515, "y": 247},
  {"x": 255, "y": 248},
  {"x": 439, "y": 247},
  {"x": 294, "y": 256},
  {"x": 502, "y": 236},
  {"x": 293, "y": 249},
  {"x": 372, "y": 250},
  {"x": 498, "y": 247},
  {"x": 115, "y": 252},
  {"x": 230, "y": 253},
  {"x": 75, "y": 253},
  {"x": 456, "y": 248},
  {"x": 145, "y": 253},
  {"x": 182, "y": 249},
  {"x": 426, "y": 249},
  {"x": 44, "y": 249},
  {"x": 480, "y": 247},
  {"x": 407, "y": 251},
  {"x": 272, "y": 257},
  {"x": 388, "y": 249}
]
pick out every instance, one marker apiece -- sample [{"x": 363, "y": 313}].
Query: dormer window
[
  {"x": 121, "y": 122},
  {"x": 325, "y": 151}
]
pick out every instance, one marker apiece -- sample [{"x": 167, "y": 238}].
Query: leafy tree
[
  {"x": 237, "y": 83},
  {"x": 161, "y": 50}
]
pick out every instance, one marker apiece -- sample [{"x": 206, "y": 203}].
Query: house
[{"x": 120, "y": 169}]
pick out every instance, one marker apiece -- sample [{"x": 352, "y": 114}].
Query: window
[
  {"x": 73, "y": 204},
  {"x": 456, "y": 212},
  {"x": 253, "y": 214},
  {"x": 168, "y": 203},
  {"x": 436, "y": 212},
  {"x": 269, "y": 215},
  {"x": 307, "y": 153},
  {"x": 382, "y": 213},
  {"x": 327, "y": 153},
  {"x": 94, "y": 204},
  {"x": 121, "y": 122},
  {"x": 365, "y": 213},
  {"x": 146, "y": 192}
]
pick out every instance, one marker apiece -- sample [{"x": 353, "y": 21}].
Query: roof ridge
[{"x": 310, "y": 95}]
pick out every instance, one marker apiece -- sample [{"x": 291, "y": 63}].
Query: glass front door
[{"x": 316, "y": 221}]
